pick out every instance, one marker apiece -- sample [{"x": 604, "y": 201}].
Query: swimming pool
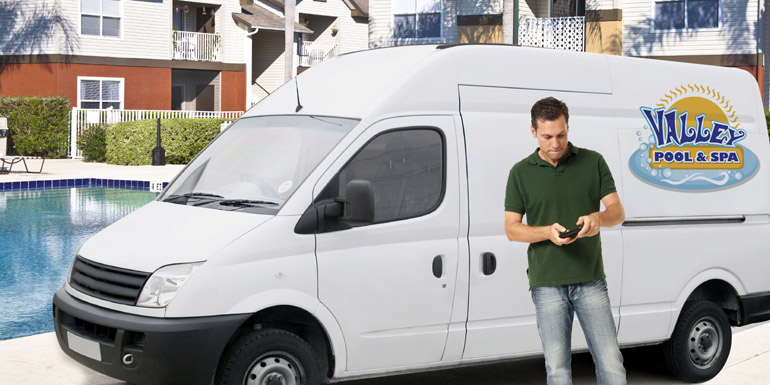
[{"x": 41, "y": 230}]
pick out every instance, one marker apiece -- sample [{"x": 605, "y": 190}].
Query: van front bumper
[{"x": 142, "y": 350}]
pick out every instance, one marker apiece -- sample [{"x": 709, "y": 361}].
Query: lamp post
[{"x": 158, "y": 154}]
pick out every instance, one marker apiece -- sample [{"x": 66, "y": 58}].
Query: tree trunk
[
  {"x": 289, "y": 17},
  {"x": 508, "y": 24}
]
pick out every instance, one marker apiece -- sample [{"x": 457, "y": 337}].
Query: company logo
[{"x": 691, "y": 141}]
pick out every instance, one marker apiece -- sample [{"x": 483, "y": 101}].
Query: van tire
[
  {"x": 269, "y": 352},
  {"x": 700, "y": 344}
]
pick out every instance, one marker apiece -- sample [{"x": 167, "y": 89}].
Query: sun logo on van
[{"x": 690, "y": 141}]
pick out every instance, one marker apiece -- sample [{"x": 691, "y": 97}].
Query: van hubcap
[
  {"x": 705, "y": 342},
  {"x": 274, "y": 368}
]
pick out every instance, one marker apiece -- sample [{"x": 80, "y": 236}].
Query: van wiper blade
[
  {"x": 193, "y": 195},
  {"x": 245, "y": 202}
]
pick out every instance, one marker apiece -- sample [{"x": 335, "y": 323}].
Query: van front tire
[
  {"x": 270, "y": 356},
  {"x": 700, "y": 344}
]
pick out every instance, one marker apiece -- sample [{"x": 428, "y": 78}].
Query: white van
[{"x": 351, "y": 224}]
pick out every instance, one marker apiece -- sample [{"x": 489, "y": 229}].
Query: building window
[
  {"x": 100, "y": 93},
  {"x": 416, "y": 19},
  {"x": 100, "y": 17},
  {"x": 686, "y": 14}
]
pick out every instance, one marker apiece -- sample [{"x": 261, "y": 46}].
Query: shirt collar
[{"x": 535, "y": 159}]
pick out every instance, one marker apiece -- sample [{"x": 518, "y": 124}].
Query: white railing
[
  {"x": 83, "y": 119},
  {"x": 196, "y": 46},
  {"x": 311, "y": 53},
  {"x": 566, "y": 33}
]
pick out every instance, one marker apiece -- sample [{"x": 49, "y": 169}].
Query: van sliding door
[{"x": 496, "y": 124}]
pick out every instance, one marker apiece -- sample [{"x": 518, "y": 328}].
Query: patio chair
[{"x": 11, "y": 160}]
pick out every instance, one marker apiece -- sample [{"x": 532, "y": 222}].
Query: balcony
[
  {"x": 565, "y": 33},
  {"x": 311, "y": 53},
  {"x": 196, "y": 46}
]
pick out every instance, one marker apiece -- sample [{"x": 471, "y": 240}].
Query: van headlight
[{"x": 164, "y": 283}]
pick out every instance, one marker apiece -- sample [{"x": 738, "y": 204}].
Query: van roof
[{"x": 425, "y": 78}]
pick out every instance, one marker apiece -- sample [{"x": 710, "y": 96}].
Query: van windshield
[{"x": 257, "y": 163}]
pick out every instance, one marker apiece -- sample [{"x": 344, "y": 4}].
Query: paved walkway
[
  {"x": 37, "y": 360},
  {"x": 74, "y": 168}
]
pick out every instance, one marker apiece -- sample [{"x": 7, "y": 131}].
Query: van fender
[
  {"x": 308, "y": 303},
  {"x": 697, "y": 280}
]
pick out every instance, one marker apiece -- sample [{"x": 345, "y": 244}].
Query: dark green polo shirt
[{"x": 561, "y": 194}]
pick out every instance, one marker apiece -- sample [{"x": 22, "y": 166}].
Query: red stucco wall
[
  {"x": 145, "y": 88},
  {"x": 233, "y": 91}
]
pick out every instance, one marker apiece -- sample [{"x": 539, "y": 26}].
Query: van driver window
[{"x": 406, "y": 171}]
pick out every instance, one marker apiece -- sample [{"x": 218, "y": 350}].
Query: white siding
[
  {"x": 381, "y": 18},
  {"x": 599, "y": 4},
  {"x": 14, "y": 40},
  {"x": 526, "y": 8},
  {"x": 268, "y": 59},
  {"x": 352, "y": 34},
  {"x": 480, "y": 7},
  {"x": 233, "y": 37},
  {"x": 765, "y": 42},
  {"x": 145, "y": 31},
  {"x": 737, "y": 34},
  {"x": 379, "y": 23}
]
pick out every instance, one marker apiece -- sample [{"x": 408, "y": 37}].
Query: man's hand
[
  {"x": 553, "y": 235},
  {"x": 590, "y": 223}
]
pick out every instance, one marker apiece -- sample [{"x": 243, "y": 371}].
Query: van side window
[{"x": 406, "y": 169}]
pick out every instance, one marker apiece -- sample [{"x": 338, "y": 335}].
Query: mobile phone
[{"x": 570, "y": 233}]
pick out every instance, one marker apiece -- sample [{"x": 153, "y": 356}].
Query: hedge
[
  {"x": 767, "y": 119},
  {"x": 38, "y": 126},
  {"x": 131, "y": 143}
]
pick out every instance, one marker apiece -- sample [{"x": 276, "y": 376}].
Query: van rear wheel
[
  {"x": 270, "y": 357},
  {"x": 700, "y": 344}
]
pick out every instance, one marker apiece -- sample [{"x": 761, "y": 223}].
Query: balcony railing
[
  {"x": 196, "y": 46},
  {"x": 566, "y": 33},
  {"x": 311, "y": 53}
]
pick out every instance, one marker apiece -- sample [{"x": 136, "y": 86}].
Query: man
[{"x": 560, "y": 183}]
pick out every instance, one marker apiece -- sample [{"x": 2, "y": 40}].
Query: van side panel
[
  {"x": 694, "y": 148},
  {"x": 501, "y": 315}
]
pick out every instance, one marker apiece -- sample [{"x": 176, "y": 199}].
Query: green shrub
[
  {"x": 38, "y": 126},
  {"x": 767, "y": 119},
  {"x": 131, "y": 143},
  {"x": 93, "y": 143}
]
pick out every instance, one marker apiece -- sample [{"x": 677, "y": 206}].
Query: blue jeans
[{"x": 555, "y": 308}]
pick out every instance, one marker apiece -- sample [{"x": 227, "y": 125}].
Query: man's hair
[{"x": 549, "y": 109}]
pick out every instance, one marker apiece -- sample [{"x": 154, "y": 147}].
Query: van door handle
[
  {"x": 438, "y": 266},
  {"x": 489, "y": 263}
]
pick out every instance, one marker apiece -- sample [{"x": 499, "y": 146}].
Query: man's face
[{"x": 551, "y": 136}]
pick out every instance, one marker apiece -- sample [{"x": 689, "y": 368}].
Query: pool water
[{"x": 40, "y": 232}]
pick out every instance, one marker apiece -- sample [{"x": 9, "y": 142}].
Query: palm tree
[
  {"x": 508, "y": 21},
  {"x": 289, "y": 11}
]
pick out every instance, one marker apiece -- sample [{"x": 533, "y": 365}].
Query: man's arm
[
  {"x": 613, "y": 215},
  {"x": 519, "y": 232}
]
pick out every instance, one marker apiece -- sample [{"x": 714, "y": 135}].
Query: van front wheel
[
  {"x": 269, "y": 357},
  {"x": 701, "y": 342}
]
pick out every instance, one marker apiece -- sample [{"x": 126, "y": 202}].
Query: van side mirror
[
  {"x": 359, "y": 202},
  {"x": 341, "y": 213}
]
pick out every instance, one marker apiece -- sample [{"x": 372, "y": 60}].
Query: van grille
[{"x": 107, "y": 282}]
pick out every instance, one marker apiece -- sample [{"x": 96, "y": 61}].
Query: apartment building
[
  {"x": 199, "y": 55},
  {"x": 730, "y": 33},
  {"x": 138, "y": 54}
]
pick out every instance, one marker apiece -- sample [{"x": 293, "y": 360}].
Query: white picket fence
[{"x": 82, "y": 119}]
